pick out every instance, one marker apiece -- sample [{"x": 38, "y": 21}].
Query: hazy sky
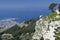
[{"x": 26, "y": 3}]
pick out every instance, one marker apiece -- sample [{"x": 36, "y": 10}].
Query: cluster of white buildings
[{"x": 46, "y": 29}]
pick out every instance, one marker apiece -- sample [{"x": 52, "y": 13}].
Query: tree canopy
[{"x": 51, "y": 6}]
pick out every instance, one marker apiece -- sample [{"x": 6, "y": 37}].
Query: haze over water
[{"x": 24, "y": 9}]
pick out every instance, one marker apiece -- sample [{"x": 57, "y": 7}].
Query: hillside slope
[
  {"x": 20, "y": 31},
  {"x": 43, "y": 28}
]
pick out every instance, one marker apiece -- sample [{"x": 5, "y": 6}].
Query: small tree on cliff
[{"x": 51, "y": 6}]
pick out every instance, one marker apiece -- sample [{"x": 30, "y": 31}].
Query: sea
[{"x": 22, "y": 15}]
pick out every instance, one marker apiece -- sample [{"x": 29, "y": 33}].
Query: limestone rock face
[
  {"x": 48, "y": 28},
  {"x": 7, "y": 37},
  {"x": 58, "y": 12}
]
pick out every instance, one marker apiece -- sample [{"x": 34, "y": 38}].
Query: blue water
[{"x": 22, "y": 15}]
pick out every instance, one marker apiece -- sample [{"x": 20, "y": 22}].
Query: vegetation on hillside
[{"x": 16, "y": 31}]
